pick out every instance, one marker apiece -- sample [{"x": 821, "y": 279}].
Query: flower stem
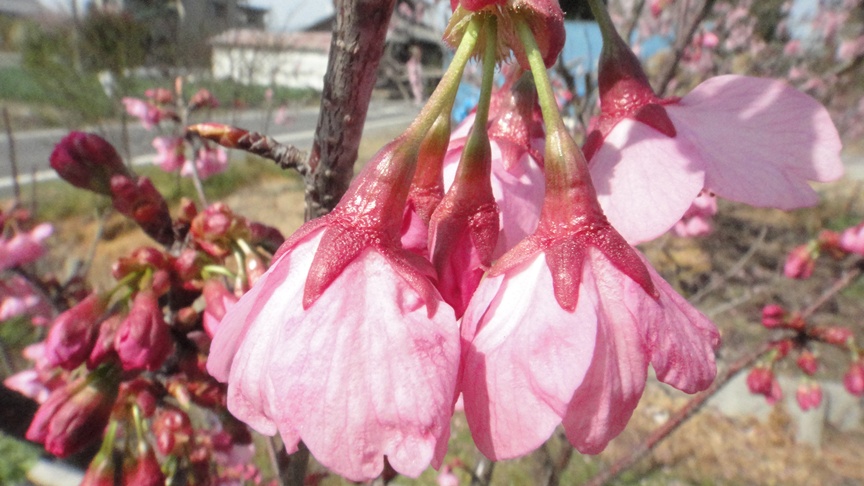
[{"x": 445, "y": 93}]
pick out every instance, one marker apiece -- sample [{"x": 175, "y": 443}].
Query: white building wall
[{"x": 293, "y": 69}]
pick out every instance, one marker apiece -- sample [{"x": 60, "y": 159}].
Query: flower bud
[
  {"x": 103, "y": 349},
  {"x": 853, "y": 380},
  {"x": 838, "y": 336},
  {"x": 101, "y": 471},
  {"x": 143, "y": 469},
  {"x": 74, "y": 415},
  {"x": 203, "y": 99},
  {"x": 807, "y": 362},
  {"x": 773, "y": 315},
  {"x": 143, "y": 340},
  {"x": 800, "y": 263},
  {"x": 759, "y": 380},
  {"x": 173, "y": 430},
  {"x": 74, "y": 332},
  {"x": 852, "y": 240},
  {"x": 140, "y": 201},
  {"x": 87, "y": 161},
  {"x": 215, "y": 228},
  {"x": 809, "y": 396},
  {"x": 217, "y": 301}
]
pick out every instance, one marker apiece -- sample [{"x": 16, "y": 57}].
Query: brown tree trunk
[{"x": 355, "y": 51}]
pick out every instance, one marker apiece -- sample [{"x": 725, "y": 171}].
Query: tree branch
[{"x": 355, "y": 52}]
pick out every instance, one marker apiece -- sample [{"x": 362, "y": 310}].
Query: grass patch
[
  {"x": 18, "y": 457},
  {"x": 16, "y": 84}
]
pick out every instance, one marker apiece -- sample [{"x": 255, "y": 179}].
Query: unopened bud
[
  {"x": 807, "y": 362},
  {"x": 143, "y": 340},
  {"x": 853, "y": 380},
  {"x": 773, "y": 315},
  {"x": 87, "y": 161},
  {"x": 140, "y": 201},
  {"x": 800, "y": 262},
  {"x": 74, "y": 332},
  {"x": 74, "y": 415},
  {"x": 809, "y": 396}
]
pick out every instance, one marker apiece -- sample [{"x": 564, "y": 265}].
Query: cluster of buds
[
  {"x": 171, "y": 144},
  {"x": 132, "y": 359},
  {"x": 801, "y": 260},
  {"x": 800, "y": 341}
]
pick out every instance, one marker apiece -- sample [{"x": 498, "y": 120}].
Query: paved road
[{"x": 33, "y": 148}]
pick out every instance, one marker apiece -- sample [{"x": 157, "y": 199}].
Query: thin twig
[
  {"x": 677, "y": 419},
  {"x": 13, "y": 159},
  {"x": 681, "y": 46},
  {"x": 634, "y": 19},
  {"x": 286, "y": 156},
  {"x": 716, "y": 282}
]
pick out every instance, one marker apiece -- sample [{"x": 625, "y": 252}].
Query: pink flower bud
[
  {"x": 74, "y": 415},
  {"x": 204, "y": 99},
  {"x": 74, "y": 332},
  {"x": 143, "y": 469},
  {"x": 160, "y": 96},
  {"x": 759, "y": 380},
  {"x": 853, "y": 380},
  {"x": 100, "y": 472},
  {"x": 170, "y": 153},
  {"x": 215, "y": 228},
  {"x": 852, "y": 240},
  {"x": 173, "y": 430},
  {"x": 218, "y": 299},
  {"x": 87, "y": 161},
  {"x": 140, "y": 201},
  {"x": 807, "y": 362},
  {"x": 143, "y": 340},
  {"x": 773, "y": 315},
  {"x": 103, "y": 349},
  {"x": 809, "y": 396},
  {"x": 838, "y": 336},
  {"x": 800, "y": 263}
]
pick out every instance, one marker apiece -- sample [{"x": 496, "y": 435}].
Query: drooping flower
[
  {"x": 564, "y": 328},
  {"x": 19, "y": 298},
  {"x": 25, "y": 247},
  {"x": 358, "y": 355},
  {"x": 751, "y": 140},
  {"x": 209, "y": 161},
  {"x": 170, "y": 153}
]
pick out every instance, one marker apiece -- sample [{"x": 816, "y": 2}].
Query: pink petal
[
  {"x": 361, "y": 374},
  {"x": 681, "y": 339},
  {"x": 237, "y": 321},
  {"x": 645, "y": 180},
  {"x": 759, "y": 140},
  {"x": 524, "y": 357},
  {"x": 603, "y": 404}
]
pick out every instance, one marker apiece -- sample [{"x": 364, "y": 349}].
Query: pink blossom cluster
[
  {"x": 171, "y": 146},
  {"x": 483, "y": 262}
]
